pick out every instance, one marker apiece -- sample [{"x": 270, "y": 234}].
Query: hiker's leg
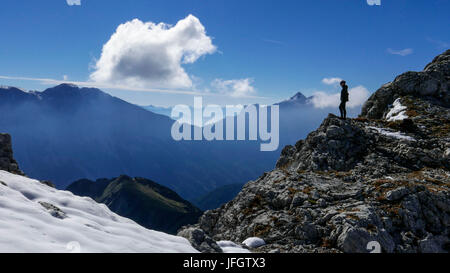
[
  {"x": 345, "y": 110},
  {"x": 341, "y": 110}
]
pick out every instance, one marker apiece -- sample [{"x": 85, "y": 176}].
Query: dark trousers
[{"x": 343, "y": 110}]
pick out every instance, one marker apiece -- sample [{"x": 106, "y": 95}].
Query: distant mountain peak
[
  {"x": 70, "y": 90},
  {"x": 7, "y": 87},
  {"x": 298, "y": 96},
  {"x": 297, "y": 100},
  {"x": 62, "y": 88},
  {"x": 66, "y": 85}
]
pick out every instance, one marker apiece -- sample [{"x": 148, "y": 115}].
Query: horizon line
[{"x": 99, "y": 85}]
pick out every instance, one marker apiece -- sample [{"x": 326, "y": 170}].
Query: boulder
[{"x": 200, "y": 241}]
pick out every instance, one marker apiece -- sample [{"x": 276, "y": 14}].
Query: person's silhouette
[{"x": 344, "y": 100}]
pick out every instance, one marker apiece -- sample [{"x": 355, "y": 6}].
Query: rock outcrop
[
  {"x": 431, "y": 84},
  {"x": 379, "y": 182},
  {"x": 7, "y": 161},
  {"x": 200, "y": 241}
]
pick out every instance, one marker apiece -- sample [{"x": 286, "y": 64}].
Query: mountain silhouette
[
  {"x": 66, "y": 133},
  {"x": 144, "y": 201}
]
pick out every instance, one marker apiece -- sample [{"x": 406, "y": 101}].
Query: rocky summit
[{"x": 377, "y": 182}]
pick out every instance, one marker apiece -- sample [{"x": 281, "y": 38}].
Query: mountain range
[{"x": 66, "y": 133}]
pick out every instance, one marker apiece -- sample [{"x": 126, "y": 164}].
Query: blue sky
[{"x": 259, "y": 51}]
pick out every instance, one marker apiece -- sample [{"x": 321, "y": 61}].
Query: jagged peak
[
  {"x": 298, "y": 99},
  {"x": 298, "y": 96}
]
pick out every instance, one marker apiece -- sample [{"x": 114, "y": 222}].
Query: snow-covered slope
[{"x": 37, "y": 218}]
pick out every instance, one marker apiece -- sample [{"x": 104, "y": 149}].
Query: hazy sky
[{"x": 229, "y": 51}]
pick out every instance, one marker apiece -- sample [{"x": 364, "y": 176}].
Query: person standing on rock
[{"x": 344, "y": 100}]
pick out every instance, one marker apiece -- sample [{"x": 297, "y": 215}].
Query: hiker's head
[{"x": 343, "y": 83}]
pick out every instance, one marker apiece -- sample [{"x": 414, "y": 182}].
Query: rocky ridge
[
  {"x": 148, "y": 203},
  {"x": 381, "y": 179}
]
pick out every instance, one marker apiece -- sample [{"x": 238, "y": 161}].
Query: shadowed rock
[{"x": 7, "y": 161}]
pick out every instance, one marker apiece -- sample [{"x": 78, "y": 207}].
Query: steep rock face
[
  {"x": 382, "y": 180},
  {"x": 7, "y": 161}
]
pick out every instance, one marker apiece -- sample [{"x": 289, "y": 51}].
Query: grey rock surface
[
  {"x": 199, "y": 240},
  {"x": 357, "y": 183},
  {"x": 54, "y": 210},
  {"x": 432, "y": 83}
]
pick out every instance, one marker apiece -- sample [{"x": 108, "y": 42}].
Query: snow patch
[
  {"x": 28, "y": 226},
  {"x": 231, "y": 247},
  {"x": 387, "y": 133},
  {"x": 254, "y": 242},
  {"x": 398, "y": 112}
]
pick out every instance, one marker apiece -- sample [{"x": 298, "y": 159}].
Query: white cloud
[
  {"x": 73, "y": 2},
  {"x": 323, "y": 100},
  {"x": 235, "y": 88},
  {"x": 331, "y": 81},
  {"x": 402, "y": 52},
  {"x": 147, "y": 54},
  {"x": 65, "y": 77},
  {"x": 358, "y": 95}
]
